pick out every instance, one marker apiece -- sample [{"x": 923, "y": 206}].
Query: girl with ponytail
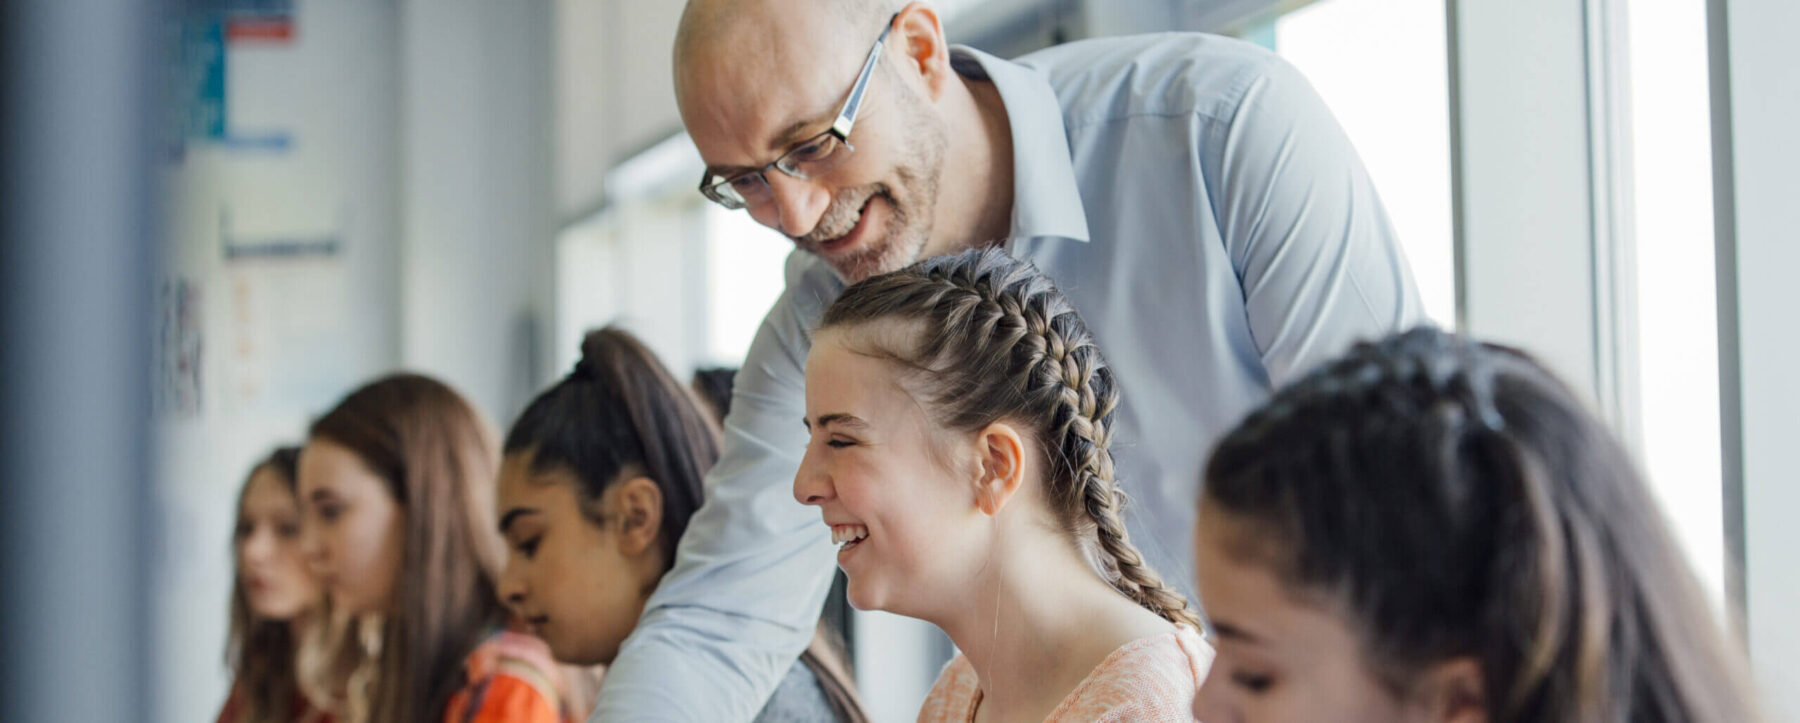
[
  {"x": 600, "y": 476},
  {"x": 1434, "y": 529},
  {"x": 960, "y": 418}
]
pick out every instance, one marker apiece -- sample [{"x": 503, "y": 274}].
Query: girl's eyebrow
[
  {"x": 838, "y": 418},
  {"x": 1233, "y": 632},
  {"x": 514, "y": 514}
]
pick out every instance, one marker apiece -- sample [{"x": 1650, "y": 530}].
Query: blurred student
[
  {"x": 960, "y": 417},
  {"x": 1435, "y": 529},
  {"x": 600, "y": 476},
  {"x": 396, "y": 487},
  {"x": 276, "y": 604}
]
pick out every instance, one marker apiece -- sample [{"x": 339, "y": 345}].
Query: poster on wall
[
  {"x": 259, "y": 21},
  {"x": 180, "y": 341},
  {"x": 198, "y": 75},
  {"x": 288, "y": 295}
]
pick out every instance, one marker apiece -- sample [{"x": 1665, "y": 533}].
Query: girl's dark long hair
[
  {"x": 619, "y": 413},
  {"x": 437, "y": 457},
  {"x": 1454, "y": 499},
  {"x": 261, "y": 653}
]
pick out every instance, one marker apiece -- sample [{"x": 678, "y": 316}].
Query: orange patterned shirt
[
  {"x": 511, "y": 679},
  {"x": 1148, "y": 679}
]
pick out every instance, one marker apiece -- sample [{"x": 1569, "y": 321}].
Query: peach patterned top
[{"x": 1148, "y": 679}]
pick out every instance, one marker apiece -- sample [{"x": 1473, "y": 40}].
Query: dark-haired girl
[
  {"x": 397, "y": 485},
  {"x": 961, "y": 417},
  {"x": 1435, "y": 529},
  {"x": 276, "y": 604},
  {"x": 601, "y": 475}
]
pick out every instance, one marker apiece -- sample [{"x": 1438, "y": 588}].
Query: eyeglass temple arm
[{"x": 846, "y": 117}]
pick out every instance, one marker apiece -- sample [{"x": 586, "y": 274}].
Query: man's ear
[
  {"x": 638, "y": 503},
  {"x": 919, "y": 46},
  {"x": 1000, "y": 457},
  {"x": 1454, "y": 692}
]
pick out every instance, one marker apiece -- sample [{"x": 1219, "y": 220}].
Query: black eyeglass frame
[{"x": 723, "y": 191}]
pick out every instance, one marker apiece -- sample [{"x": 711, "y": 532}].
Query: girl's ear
[
  {"x": 1000, "y": 453},
  {"x": 638, "y": 502},
  {"x": 1453, "y": 692}
]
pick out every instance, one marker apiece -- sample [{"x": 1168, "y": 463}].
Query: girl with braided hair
[
  {"x": 1434, "y": 529},
  {"x": 960, "y": 417}
]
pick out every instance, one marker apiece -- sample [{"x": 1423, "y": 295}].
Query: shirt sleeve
[
  {"x": 751, "y": 572},
  {"x": 505, "y": 698},
  {"x": 1320, "y": 265}
]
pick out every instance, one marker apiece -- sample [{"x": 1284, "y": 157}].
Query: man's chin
[{"x": 855, "y": 267}]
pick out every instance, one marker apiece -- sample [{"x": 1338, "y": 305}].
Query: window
[
  {"x": 744, "y": 261},
  {"x": 1382, "y": 68},
  {"x": 1676, "y": 306}
]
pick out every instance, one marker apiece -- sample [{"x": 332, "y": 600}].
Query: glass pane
[
  {"x": 1677, "y": 322},
  {"x": 1382, "y": 67},
  {"x": 743, "y": 278}
]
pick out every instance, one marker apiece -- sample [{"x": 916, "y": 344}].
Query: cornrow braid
[{"x": 994, "y": 339}]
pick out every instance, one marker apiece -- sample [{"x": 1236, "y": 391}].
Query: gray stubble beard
[{"x": 909, "y": 224}]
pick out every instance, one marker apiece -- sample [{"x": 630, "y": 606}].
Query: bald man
[{"x": 1189, "y": 193}]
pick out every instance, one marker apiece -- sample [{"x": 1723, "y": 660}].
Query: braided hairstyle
[
  {"x": 994, "y": 339},
  {"x": 1452, "y": 498}
]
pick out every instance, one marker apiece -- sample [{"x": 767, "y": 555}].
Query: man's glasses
[{"x": 814, "y": 157}]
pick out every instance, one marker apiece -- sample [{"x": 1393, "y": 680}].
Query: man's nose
[{"x": 798, "y": 204}]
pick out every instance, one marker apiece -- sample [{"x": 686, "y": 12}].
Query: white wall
[
  {"x": 615, "y": 92},
  {"x": 281, "y": 339},
  {"x": 477, "y": 209},
  {"x": 420, "y": 143}
]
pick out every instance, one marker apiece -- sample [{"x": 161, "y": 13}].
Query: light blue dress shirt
[{"x": 1204, "y": 212}]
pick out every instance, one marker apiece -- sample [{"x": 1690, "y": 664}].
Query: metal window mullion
[{"x": 1612, "y": 220}]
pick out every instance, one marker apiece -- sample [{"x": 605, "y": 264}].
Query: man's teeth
[{"x": 841, "y": 534}]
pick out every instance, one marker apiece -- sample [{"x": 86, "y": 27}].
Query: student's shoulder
[
  {"x": 1150, "y": 679},
  {"x": 511, "y": 677},
  {"x": 1152, "y": 74},
  {"x": 953, "y": 696}
]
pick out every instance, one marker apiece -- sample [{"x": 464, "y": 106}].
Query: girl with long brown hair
[
  {"x": 601, "y": 475},
  {"x": 276, "y": 604},
  {"x": 961, "y": 416},
  {"x": 397, "y": 486},
  {"x": 1435, "y": 529}
]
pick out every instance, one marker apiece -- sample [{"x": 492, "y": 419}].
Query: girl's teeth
[{"x": 841, "y": 534}]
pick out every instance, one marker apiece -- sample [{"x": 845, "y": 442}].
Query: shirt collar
[{"x": 1046, "y": 201}]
